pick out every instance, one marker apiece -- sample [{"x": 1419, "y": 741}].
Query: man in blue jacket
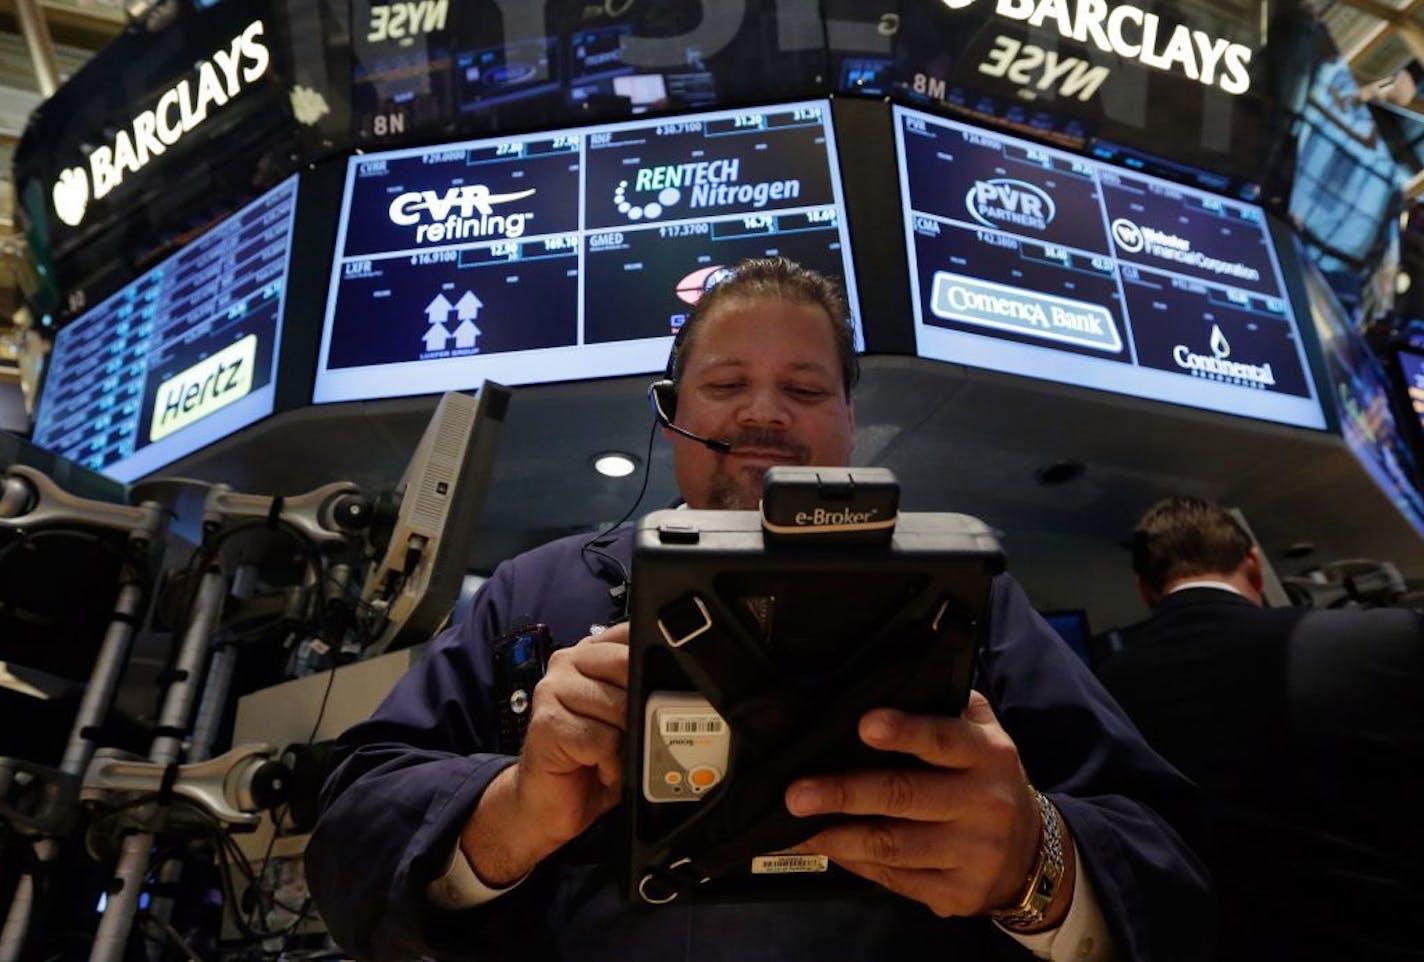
[{"x": 1042, "y": 825}]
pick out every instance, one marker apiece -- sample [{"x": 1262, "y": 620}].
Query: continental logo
[
  {"x": 1218, "y": 365},
  {"x": 211, "y": 384}
]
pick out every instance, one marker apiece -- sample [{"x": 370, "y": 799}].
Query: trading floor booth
[{"x": 274, "y": 234}]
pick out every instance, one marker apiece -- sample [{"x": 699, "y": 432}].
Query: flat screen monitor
[
  {"x": 1361, "y": 391},
  {"x": 1411, "y": 369},
  {"x": 565, "y": 254},
  {"x": 181, "y": 356},
  {"x": 1042, "y": 263}
]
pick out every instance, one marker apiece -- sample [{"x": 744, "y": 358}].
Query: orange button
[
  {"x": 673, "y": 778},
  {"x": 703, "y": 777}
]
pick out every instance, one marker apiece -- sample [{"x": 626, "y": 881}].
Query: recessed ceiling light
[{"x": 615, "y": 464}]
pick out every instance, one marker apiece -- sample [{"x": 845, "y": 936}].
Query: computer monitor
[
  {"x": 416, "y": 581},
  {"x": 565, "y": 254},
  {"x": 1045, "y": 264},
  {"x": 1360, "y": 387},
  {"x": 1411, "y": 370},
  {"x": 1071, "y": 625},
  {"x": 183, "y": 355}
]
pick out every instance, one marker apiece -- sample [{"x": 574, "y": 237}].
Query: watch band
[{"x": 1043, "y": 879}]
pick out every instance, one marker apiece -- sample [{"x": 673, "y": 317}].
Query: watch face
[{"x": 1047, "y": 873}]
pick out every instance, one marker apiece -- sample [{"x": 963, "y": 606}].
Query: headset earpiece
[{"x": 665, "y": 397}]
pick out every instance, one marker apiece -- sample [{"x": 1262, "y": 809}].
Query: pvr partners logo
[
  {"x": 1217, "y": 365},
  {"x": 1004, "y": 201},
  {"x": 71, "y": 195}
]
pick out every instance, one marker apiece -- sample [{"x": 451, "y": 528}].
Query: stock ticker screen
[
  {"x": 1411, "y": 367},
  {"x": 1360, "y": 390},
  {"x": 1042, "y": 263},
  {"x": 181, "y": 356},
  {"x": 565, "y": 254}
]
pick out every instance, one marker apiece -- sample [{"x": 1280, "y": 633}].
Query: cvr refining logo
[
  {"x": 1132, "y": 33},
  {"x": 1014, "y": 203},
  {"x": 707, "y": 183},
  {"x": 460, "y": 213},
  {"x": 1217, "y": 365}
]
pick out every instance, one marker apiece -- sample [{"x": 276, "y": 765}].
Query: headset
[{"x": 662, "y": 397}]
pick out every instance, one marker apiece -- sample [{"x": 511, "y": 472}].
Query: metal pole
[
  {"x": 220, "y": 672},
  {"x": 93, "y": 709},
  {"x": 114, "y": 926},
  {"x": 12, "y": 938},
  {"x": 103, "y": 681},
  {"x": 41, "y": 46}
]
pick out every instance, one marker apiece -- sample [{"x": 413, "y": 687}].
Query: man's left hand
[{"x": 960, "y": 836}]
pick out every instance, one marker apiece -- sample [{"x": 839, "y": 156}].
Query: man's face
[{"x": 763, "y": 374}]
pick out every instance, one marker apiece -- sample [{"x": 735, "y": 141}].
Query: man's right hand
[{"x": 570, "y": 770}]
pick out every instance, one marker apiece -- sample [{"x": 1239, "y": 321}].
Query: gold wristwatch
[{"x": 1043, "y": 880}]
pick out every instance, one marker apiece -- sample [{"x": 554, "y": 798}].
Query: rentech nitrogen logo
[
  {"x": 1004, "y": 202},
  {"x": 1135, "y": 239},
  {"x": 707, "y": 183},
  {"x": 460, "y": 213},
  {"x": 1217, "y": 366}
]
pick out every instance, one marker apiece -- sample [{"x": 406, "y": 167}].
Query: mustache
[{"x": 770, "y": 441}]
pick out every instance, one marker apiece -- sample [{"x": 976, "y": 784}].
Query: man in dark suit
[{"x": 1305, "y": 731}]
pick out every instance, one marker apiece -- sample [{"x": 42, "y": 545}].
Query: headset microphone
[{"x": 662, "y": 395}]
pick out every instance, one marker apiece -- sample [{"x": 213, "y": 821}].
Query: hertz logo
[{"x": 212, "y": 383}]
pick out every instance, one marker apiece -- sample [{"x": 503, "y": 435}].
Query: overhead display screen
[
  {"x": 474, "y": 67},
  {"x": 1038, "y": 262},
  {"x": 1411, "y": 367},
  {"x": 1361, "y": 395},
  {"x": 565, "y": 254},
  {"x": 178, "y": 358}
]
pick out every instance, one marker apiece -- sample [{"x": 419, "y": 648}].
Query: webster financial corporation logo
[
  {"x": 1004, "y": 202},
  {"x": 1134, "y": 238},
  {"x": 1218, "y": 365}
]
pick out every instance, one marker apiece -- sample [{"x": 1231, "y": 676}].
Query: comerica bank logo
[
  {"x": 707, "y": 183},
  {"x": 1005, "y": 202},
  {"x": 460, "y": 213},
  {"x": 1217, "y": 365}
]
